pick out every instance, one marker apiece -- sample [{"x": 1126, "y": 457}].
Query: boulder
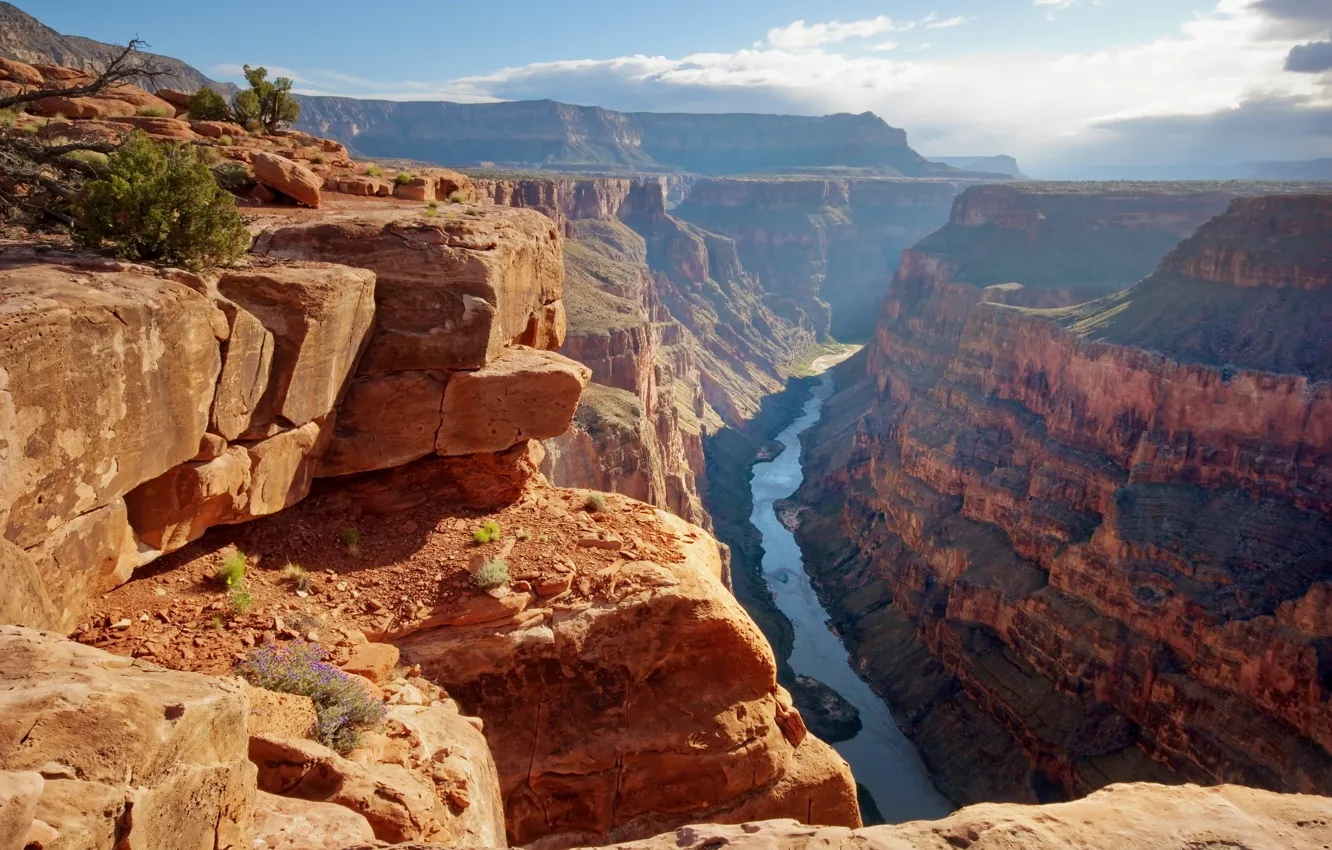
[
  {"x": 319, "y": 316},
  {"x": 175, "y": 97},
  {"x": 81, "y": 107},
  {"x": 113, "y": 736},
  {"x": 106, "y": 381},
  {"x": 364, "y": 186},
  {"x": 20, "y": 72},
  {"x": 450, "y": 294},
  {"x": 162, "y": 128},
  {"x": 144, "y": 103},
  {"x": 247, "y": 365},
  {"x": 385, "y": 421},
  {"x": 217, "y": 129},
  {"x": 399, "y": 804},
  {"x": 291, "y": 179},
  {"x": 524, "y": 394},
  {"x": 416, "y": 189},
  {"x": 243, "y": 483},
  {"x": 63, "y": 76},
  {"x": 286, "y": 823}
]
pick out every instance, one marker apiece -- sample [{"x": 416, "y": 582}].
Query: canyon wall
[
  {"x": 1090, "y": 541},
  {"x": 824, "y": 249},
  {"x": 680, "y": 338}
]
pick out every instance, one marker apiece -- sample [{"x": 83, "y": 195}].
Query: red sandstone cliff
[{"x": 1097, "y": 535}]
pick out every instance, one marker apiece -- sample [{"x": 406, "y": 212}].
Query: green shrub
[
  {"x": 8, "y": 118},
  {"x": 350, "y": 536},
  {"x": 297, "y": 575},
  {"x": 432, "y": 209},
  {"x": 317, "y": 158},
  {"x": 594, "y": 503},
  {"x": 153, "y": 112},
  {"x": 225, "y": 141},
  {"x": 231, "y": 572},
  {"x": 373, "y": 170},
  {"x": 233, "y": 176},
  {"x": 160, "y": 203},
  {"x": 487, "y": 532},
  {"x": 342, "y": 707},
  {"x": 94, "y": 158},
  {"x": 208, "y": 105},
  {"x": 268, "y": 104},
  {"x": 241, "y": 601},
  {"x": 494, "y": 572},
  {"x": 403, "y": 178},
  {"x": 457, "y": 197}
]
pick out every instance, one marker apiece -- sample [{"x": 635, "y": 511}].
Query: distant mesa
[{"x": 1005, "y": 165}]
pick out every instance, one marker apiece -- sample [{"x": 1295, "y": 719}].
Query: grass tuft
[
  {"x": 594, "y": 503},
  {"x": 494, "y": 572},
  {"x": 488, "y": 532},
  {"x": 231, "y": 572}
]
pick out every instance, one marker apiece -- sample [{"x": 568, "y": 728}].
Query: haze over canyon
[{"x": 666, "y": 452}]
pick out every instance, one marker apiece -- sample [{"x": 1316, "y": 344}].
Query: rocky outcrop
[
  {"x": 287, "y": 177},
  {"x": 1096, "y": 535},
  {"x": 598, "y": 738},
  {"x": 141, "y": 407},
  {"x": 116, "y": 752},
  {"x": 824, "y": 249},
  {"x": 1121, "y": 817}
]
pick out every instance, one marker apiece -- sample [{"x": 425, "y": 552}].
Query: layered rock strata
[
  {"x": 1098, "y": 535},
  {"x": 824, "y": 249},
  {"x": 142, "y": 406}
]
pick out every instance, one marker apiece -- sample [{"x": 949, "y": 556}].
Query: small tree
[
  {"x": 161, "y": 203},
  {"x": 208, "y": 105},
  {"x": 269, "y": 103}
]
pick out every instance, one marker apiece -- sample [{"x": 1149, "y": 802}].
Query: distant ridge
[
  {"x": 543, "y": 133},
  {"x": 1006, "y": 165}
]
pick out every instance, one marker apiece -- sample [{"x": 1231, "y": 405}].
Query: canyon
[
  {"x": 1086, "y": 534},
  {"x": 1063, "y": 526}
]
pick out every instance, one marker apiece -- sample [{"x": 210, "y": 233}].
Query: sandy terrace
[{"x": 406, "y": 569}]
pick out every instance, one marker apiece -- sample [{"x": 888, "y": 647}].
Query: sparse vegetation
[
  {"x": 403, "y": 178},
  {"x": 594, "y": 503},
  {"x": 233, "y": 176},
  {"x": 241, "y": 601},
  {"x": 457, "y": 197},
  {"x": 153, "y": 112},
  {"x": 523, "y": 534},
  {"x": 373, "y": 170},
  {"x": 162, "y": 203},
  {"x": 298, "y": 576},
  {"x": 493, "y": 573},
  {"x": 94, "y": 158},
  {"x": 231, "y": 572},
  {"x": 208, "y": 105},
  {"x": 350, "y": 536},
  {"x": 269, "y": 104},
  {"x": 225, "y": 141},
  {"x": 317, "y": 158},
  {"x": 343, "y": 708},
  {"x": 432, "y": 209},
  {"x": 488, "y": 532},
  {"x": 8, "y": 118}
]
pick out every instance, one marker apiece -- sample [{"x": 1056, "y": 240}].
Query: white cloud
[
  {"x": 885, "y": 46},
  {"x": 801, "y": 36},
  {"x": 935, "y": 24}
]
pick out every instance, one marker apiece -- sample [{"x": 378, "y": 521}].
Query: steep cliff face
[
  {"x": 824, "y": 249},
  {"x": 1096, "y": 535},
  {"x": 680, "y": 339}
]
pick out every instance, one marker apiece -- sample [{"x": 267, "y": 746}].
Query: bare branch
[{"x": 127, "y": 66}]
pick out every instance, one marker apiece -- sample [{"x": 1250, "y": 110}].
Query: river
[{"x": 881, "y": 757}]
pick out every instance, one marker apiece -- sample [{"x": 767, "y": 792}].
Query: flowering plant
[{"x": 342, "y": 707}]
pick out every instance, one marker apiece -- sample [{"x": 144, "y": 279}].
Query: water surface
[{"x": 881, "y": 757}]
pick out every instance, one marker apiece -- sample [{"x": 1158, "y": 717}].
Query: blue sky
[{"x": 1051, "y": 81}]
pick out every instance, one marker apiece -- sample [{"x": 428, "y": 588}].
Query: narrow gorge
[{"x": 644, "y": 480}]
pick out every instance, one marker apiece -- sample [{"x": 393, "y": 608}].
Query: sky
[{"x": 1060, "y": 84}]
